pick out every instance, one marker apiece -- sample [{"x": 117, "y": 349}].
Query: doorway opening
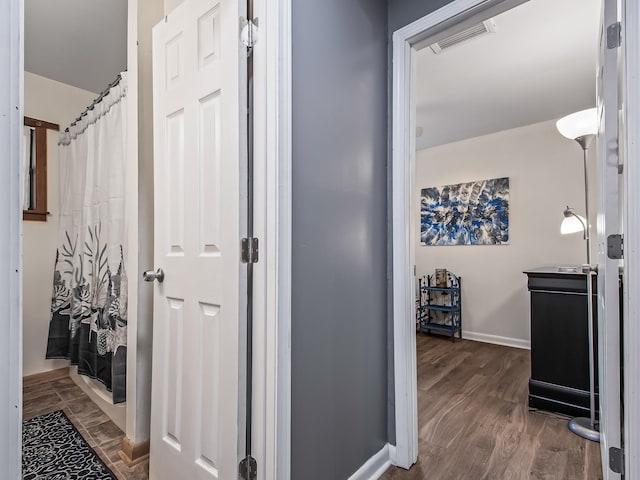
[
  {"x": 75, "y": 77},
  {"x": 516, "y": 156}
]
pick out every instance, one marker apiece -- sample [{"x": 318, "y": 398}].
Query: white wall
[
  {"x": 545, "y": 175},
  {"x": 143, "y": 16},
  {"x": 170, "y": 5},
  {"x": 55, "y": 102}
]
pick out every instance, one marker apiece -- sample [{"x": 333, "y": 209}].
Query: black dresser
[{"x": 559, "y": 340}]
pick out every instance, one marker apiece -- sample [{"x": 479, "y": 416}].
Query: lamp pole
[
  {"x": 584, "y": 142},
  {"x": 586, "y": 427}
]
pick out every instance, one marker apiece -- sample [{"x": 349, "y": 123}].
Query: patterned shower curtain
[{"x": 88, "y": 322}]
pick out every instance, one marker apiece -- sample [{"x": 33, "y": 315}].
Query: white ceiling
[
  {"x": 78, "y": 42},
  {"x": 541, "y": 64},
  {"x": 538, "y": 66}
]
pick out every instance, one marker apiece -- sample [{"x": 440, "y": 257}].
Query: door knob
[{"x": 150, "y": 275}]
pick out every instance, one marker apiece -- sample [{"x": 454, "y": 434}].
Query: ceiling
[
  {"x": 539, "y": 65},
  {"x": 78, "y": 42}
]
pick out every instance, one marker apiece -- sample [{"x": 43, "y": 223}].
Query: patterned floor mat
[{"x": 54, "y": 450}]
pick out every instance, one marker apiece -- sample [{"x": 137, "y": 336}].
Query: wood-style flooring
[
  {"x": 474, "y": 421},
  {"x": 100, "y": 433}
]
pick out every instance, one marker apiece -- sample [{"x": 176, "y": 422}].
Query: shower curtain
[{"x": 88, "y": 323}]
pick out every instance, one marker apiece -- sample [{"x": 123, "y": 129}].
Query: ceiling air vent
[{"x": 488, "y": 26}]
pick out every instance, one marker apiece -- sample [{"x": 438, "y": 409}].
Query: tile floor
[{"x": 101, "y": 433}]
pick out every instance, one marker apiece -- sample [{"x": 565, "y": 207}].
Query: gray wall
[
  {"x": 339, "y": 311},
  {"x": 342, "y": 338},
  {"x": 404, "y": 12}
]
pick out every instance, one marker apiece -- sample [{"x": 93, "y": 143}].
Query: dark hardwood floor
[{"x": 474, "y": 421}]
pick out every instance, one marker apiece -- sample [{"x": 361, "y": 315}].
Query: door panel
[
  {"x": 196, "y": 378},
  {"x": 608, "y": 223}
]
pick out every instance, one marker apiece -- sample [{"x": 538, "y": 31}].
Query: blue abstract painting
[{"x": 473, "y": 213}]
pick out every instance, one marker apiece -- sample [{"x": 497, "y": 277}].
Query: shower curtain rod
[{"x": 95, "y": 102}]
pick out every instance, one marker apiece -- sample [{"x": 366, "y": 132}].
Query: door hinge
[
  {"x": 248, "y": 468},
  {"x": 249, "y": 250},
  {"x": 614, "y": 35},
  {"x": 615, "y": 246},
  {"x": 616, "y": 460},
  {"x": 248, "y": 32}
]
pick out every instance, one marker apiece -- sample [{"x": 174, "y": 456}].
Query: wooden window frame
[{"x": 39, "y": 214}]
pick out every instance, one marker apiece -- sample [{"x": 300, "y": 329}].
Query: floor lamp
[{"x": 582, "y": 127}]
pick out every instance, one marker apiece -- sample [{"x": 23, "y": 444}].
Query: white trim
[
  {"x": 404, "y": 341},
  {"x": 392, "y": 454},
  {"x": 272, "y": 288},
  {"x": 403, "y": 151},
  {"x": 631, "y": 151},
  {"x": 11, "y": 111},
  {"x": 141, "y": 17},
  {"x": 263, "y": 394},
  {"x": 497, "y": 340},
  {"x": 373, "y": 468},
  {"x": 131, "y": 201},
  {"x": 283, "y": 228},
  {"x": 409, "y": 33}
]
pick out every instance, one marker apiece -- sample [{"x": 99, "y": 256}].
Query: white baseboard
[
  {"x": 497, "y": 340},
  {"x": 373, "y": 468},
  {"x": 392, "y": 454}
]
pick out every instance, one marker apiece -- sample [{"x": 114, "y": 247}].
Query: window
[{"x": 35, "y": 169}]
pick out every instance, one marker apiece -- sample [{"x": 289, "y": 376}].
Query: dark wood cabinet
[{"x": 559, "y": 340}]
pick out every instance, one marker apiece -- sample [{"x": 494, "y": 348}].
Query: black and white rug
[{"x": 53, "y": 449}]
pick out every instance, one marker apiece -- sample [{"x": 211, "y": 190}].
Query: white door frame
[
  {"x": 405, "y": 41},
  {"x": 11, "y": 108},
  {"x": 272, "y": 225}
]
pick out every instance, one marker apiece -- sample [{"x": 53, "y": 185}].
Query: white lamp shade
[
  {"x": 584, "y": 122},
  {"x": 571, "y": 224}
]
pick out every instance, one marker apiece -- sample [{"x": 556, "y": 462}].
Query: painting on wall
[{"x": 472, "y": 213}]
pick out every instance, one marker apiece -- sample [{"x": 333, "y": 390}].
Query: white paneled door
[
  {"x": 608, "y": 224},
  {"x": 196, "y": 377}
]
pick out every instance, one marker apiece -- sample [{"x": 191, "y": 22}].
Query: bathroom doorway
[{"x": 76, "y": 60}]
